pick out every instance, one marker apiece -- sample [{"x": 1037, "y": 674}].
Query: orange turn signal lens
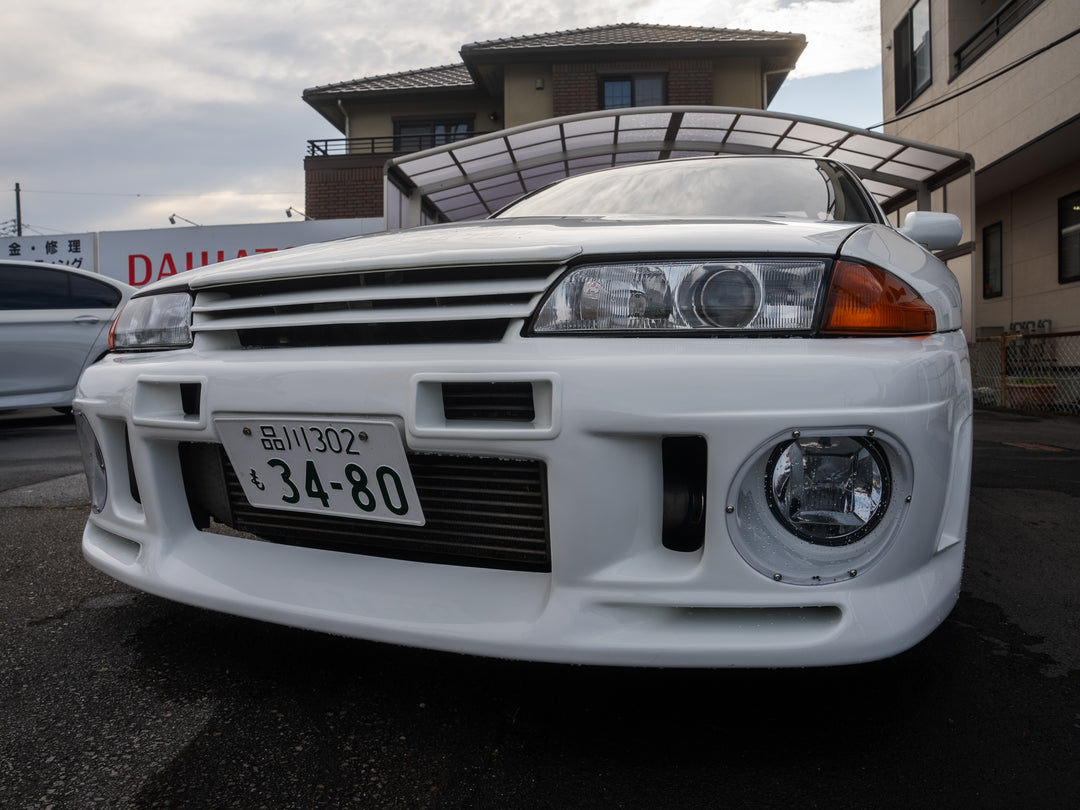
[{"x": 868, "y": 301}]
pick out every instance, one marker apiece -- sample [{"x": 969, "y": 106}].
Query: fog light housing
[
  {"x": 822, "y": 508},
  {"x": 828, "y": 490},
  {"x": 93, "y": 462}
]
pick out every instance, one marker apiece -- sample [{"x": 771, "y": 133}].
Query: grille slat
[
  {"x": 481, "y": 512},
  {"x": 358, "y": 297}
]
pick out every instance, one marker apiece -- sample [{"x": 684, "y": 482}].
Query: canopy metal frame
[{"x": 474, "y": 178}]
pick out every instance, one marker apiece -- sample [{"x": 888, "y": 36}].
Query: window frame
[
  {"x": 417, "y": 141},
  {"x": 632, "y": 78},
  {"x": 906, "y": 86},
  {"x": 989, "y": 233},
  {"x": 1069, "y": 232}
]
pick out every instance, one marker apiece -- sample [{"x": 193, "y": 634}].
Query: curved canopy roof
[{"x": 473, "y": 178}]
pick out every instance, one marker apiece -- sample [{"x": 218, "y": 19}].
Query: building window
[
  {"x": 911, "y": 53},
  {"x": 992, "y": 260},
  {"x": 412, "y": 135},
  {"x": 1069, "y": 238},
  {"x": 975, "y": 26},
  {"x": 617, "y": 92}
]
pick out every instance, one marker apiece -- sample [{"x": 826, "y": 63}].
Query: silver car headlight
[
  {"x": 153, "y": 322},
  {"x": 735, "y": 294}
]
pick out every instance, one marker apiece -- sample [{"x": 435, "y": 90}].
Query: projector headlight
[{"x": 744, "y": 295}]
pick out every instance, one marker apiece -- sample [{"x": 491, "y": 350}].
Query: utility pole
[{"x": 18, "y": 211}]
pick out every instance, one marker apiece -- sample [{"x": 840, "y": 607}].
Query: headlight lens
[
  {"x": 153, "y": 322},
  {"x": 828, "y": 491},
  {"x": 765, "y": 296}
]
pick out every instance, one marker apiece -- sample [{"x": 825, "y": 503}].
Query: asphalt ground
[{"x": 110, "y": 698}]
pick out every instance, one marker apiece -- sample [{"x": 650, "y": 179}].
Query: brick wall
[
  {"x": 690, "y": 82},
  {"x": 344, "y": 186},
  {"x": 576, "y": 86}
]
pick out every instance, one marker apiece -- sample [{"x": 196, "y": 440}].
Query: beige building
[{"x": 999, "y": 79}]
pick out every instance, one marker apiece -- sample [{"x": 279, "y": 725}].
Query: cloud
[
  {"x": 200, "y": 101},
  {"x": 841, "y": 35}
]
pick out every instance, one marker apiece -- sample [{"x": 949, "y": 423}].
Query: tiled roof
[
  {"x": 438, "y": 78},
  {"x": 629, "y": 34},
  {"x": 605, "y": 36}
]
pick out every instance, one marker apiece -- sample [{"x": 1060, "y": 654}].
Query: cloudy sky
[{"x": 118, "y": 113}]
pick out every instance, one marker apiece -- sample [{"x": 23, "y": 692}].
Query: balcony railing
[
  {"x": 383, "y": 145},
  {"x": 1003, "y": 21}
]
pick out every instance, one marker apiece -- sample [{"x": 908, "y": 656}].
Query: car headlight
[
  {"x": 153, "y": 322},
  {"x": 755, "y": 295}
]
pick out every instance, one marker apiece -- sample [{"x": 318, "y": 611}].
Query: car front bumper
[{"x": 614, "y": 594}]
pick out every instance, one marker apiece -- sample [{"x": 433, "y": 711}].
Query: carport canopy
[{"x": 473, "y": 178}]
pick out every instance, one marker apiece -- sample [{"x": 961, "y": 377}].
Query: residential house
[{"x": 519, "y": 80}]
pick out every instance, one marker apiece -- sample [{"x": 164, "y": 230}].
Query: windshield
[{"x": 737, "y": 186}]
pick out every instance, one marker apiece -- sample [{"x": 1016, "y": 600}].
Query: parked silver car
[{"x": 54, "y": 322}]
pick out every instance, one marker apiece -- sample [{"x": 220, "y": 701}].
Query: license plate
[{"x": 350, "y": 468}]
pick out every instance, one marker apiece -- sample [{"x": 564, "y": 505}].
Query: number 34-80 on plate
[{"x": 351, "y": 468}]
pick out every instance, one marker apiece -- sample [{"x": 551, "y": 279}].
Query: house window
[
  {"x": 412, "y": 135},
  {"x": 1069, "y": 238},
  {"x": 992, "y": 260},
  {"x": 911, "y": 53},
  {"x": 617, "y": 92}
]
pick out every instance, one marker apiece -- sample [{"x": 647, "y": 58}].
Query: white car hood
[{"x": 525, "y": 241}]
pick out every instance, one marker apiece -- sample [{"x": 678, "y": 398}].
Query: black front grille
[
  {"x": 378, "y": 334},
  {"x": 481, "y": 512}
]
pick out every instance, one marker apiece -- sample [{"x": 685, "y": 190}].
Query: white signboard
[
  {"x": 140, "y": 257},
  {"x": 72, "y": 249}
]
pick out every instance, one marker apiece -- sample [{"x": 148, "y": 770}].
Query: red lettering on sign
[
  {"x": 145, "y": 260},
  {"x": 141, "y": 267},
  {"x": 168, "y": 267}
]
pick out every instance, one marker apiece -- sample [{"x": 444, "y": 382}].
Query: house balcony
[
  {"x": 386, "y": 145},
  {"x": 343, "y": 177},
  {"x": 996, "y": 25}
]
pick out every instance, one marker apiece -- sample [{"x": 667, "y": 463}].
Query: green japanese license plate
[{"x": 345, "y": 467}]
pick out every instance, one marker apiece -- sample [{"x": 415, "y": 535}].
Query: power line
[
  {"x": 981, "y": 82},
  {"x": 155, "y": 194}
]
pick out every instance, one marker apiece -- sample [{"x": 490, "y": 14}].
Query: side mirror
[{"x": 933, "y": 230}]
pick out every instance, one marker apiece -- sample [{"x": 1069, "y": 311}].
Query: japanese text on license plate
[{"x": 336, "y": 467}]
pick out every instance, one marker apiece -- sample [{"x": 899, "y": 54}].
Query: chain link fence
[{"x": 1028, "y": 372}]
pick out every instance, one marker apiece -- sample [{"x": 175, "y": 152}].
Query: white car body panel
[{"x": 614, "y": 593}]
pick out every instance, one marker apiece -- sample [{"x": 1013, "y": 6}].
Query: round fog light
[
  {"x": 828, "y": 490},
  {"x": 93, "y": 462}
]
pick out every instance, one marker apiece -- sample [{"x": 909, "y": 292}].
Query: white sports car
[{"x": 706, "y": 412}]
